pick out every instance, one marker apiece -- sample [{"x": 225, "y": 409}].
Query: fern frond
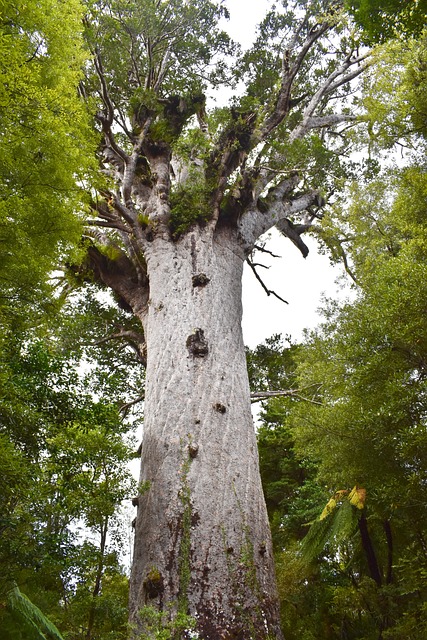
[
  {"x": 328, "y": 509},
  {"x": 30, "y": 618},
  {"x": 357, "y": 497},
  {"x": 316, "y": 539},
  {"x": 336, "y": 524},
  {"x": 344, "y": 523}
]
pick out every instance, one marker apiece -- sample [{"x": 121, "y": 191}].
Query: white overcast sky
[{"x": 302, "y": 282}]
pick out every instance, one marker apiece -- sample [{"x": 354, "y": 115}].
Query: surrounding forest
[{"x": 342, "y": 429}]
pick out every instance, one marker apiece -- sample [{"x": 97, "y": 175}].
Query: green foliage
[
  {"x": 111, "y": 605},
  {"x": 192, "y": 144},
  {"x": 65, "y": 475},
  {"x": 332, "y": 529},
  {"x": 366, "y": 369},
  {"x": 63, "y": 441},
  {"x": 272, "y": 364},
  {"x": 144, "y": 487},
  {"x": 260, "y": 66},
  {"x": 46, "y": 147},
  {"x": 159, "y": 626},
  {"x": 395, "y": 93},
  {"x": 384, "y": 19},
  {"x": 27, "y": 621},
  {"x": 292, "y": 497},
  {"x": 188, "y": 30},
  {"x": 90, "y": 329},
  {"x": 368, "y": 360}
]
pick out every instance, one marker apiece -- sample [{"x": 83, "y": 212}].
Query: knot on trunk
[
  {"x": 200, "y": 280},
  {"x": 193, "y": 450},
  {"x": 197, "y": 344}
]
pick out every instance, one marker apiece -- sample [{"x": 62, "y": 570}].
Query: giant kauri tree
[{"x": 185, "y": 193}]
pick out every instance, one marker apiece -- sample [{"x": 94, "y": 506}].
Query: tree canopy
[
  {"x": 384, "y": 19},
  {"x": 63, "y": 452},
  {"x": 225, "y": 159}
]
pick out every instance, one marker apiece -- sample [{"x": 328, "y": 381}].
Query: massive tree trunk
[
  {"x": 202, "y": 542},
  {"x": 186, "y": 199}
]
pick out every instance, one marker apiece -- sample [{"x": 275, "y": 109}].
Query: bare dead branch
[
  {"x": 163, "y": 70},
  {"x": 329, "y": 121},
  {"x": 335, "y": 79},
  {"x": 258, "y": 247},
  {"x": 289, "y": 72},
  {"x": 363, "y": 64},
  {"x": 269, "y": 292},
  {"x": 107, "y": 120},
  {"x": 132, "y": 54},
  {"x": 258, "y": 396}
]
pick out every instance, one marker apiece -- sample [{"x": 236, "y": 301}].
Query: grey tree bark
[{"x": 202, "y": 539}]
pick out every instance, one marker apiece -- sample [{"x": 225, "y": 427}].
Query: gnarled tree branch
[
  {"x": 289, "y": 72},
  {"x": 257, "y": 220}
]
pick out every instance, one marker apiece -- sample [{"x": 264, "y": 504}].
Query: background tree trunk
[{"x": 202, "y": 541}]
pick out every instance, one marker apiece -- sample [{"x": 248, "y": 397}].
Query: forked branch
[
  {"x": 290, "y": 70},
  {"x": 107, "y": 118}
]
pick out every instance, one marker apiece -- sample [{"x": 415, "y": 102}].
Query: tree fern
[
  {"x": 344, "y": 523},
  {"x": 28, "y": 618},
  {"x": 336, "y": 524},
  {"x": 316, "y": 539}
]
